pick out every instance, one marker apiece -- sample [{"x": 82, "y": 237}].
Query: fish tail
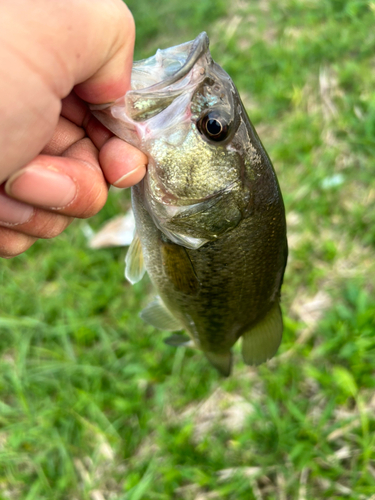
[{"x": 262, "y": 340}]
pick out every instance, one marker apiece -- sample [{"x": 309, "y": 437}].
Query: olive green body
[
  {"x": 221, "y": 289},
  {"x": 209, "y": 214}
]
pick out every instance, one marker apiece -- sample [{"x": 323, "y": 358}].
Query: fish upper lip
[{"x": 199, "y": 46}]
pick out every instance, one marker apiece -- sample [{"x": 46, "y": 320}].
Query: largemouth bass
[{"x": 210, "y": 220}]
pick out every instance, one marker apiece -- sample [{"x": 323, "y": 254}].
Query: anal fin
[
  {"x": 179, "y": 340},
  {"x": 262, "y": 340},
  {"x": 135, "y": 267},
  {"x": 222, "y": 361},
  {"x": 157, "y": 315}
]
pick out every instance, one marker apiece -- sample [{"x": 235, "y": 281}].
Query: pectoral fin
[
  {"x": 262, "y": 341},
  {"x": 178, "y": 268},
  {"x": 157, "y": 315},
  {"x": 135, "y": 267},
  {"x": 221, "y": 361}
]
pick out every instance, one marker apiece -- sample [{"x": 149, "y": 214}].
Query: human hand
[{"x": 56, "y": 157}]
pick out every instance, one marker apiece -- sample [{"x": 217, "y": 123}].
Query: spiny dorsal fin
[
  {"x": 178, "y": 340},
  {"x": 135, "y": 267},
  {"x": 157, "y": 315},
  {"x": 222, "y": 361},
  {"x": 262, "y": 341}
]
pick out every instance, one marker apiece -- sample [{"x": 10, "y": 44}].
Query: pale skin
[{"x": 56, "y": 159}]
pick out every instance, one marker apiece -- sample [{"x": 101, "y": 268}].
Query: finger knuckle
[
  {"x": 95, "y": 204},
  {"x": 53, "y": 225}
]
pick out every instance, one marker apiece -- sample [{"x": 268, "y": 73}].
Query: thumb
[
  {"x": 107, "y": 78},
  {"x": 51, "y": 48}
]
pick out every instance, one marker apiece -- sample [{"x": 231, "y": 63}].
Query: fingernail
[
  {"x": 42, "y": 186},
  {"x": 131, "y": 178},
  {"x": 12, "y": 212}
]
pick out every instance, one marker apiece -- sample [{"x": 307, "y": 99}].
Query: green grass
[{"x": 94, "y": 406}]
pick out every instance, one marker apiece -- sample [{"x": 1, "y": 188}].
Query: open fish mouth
[
  {"x": 162, "y": 87},
  {"x": 170, "y": 77},
  {"x": 160, "y": 79},
  {"x": 169, "y": 65}
]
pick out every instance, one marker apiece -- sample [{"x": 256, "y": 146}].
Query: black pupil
[{"x": 213, "y": 127}]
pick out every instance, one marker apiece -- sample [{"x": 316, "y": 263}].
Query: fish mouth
[
  {"x": 161, "y": 79},
  {"x": 158, "y": 103},
  {"x": 195, "y": 50},
  {"x": 168, "y": 67},
  {"x": 198, "y": 47}
]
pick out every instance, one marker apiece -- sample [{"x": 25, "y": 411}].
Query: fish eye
[{"x": 213, "y": 126}]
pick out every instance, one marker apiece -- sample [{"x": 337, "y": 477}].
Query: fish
[{"x": 210, "y": 217}]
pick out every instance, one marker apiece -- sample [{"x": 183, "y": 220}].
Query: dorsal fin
[
  {"x": 157, "y": 315},
  {"x": 262, "y": 340},
  {"x": 135, "y": 267}
]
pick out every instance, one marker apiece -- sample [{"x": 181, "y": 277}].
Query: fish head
[{"x": 185, "y": 113}]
